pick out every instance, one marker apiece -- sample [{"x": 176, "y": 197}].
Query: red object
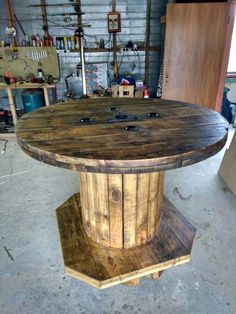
[{"x": 145, "y": 93}]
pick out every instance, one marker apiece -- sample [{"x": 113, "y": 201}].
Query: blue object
[
  {"x": 128, "y": 78},
  {"x": 226, "y": 109},
  {"x": 32, "y": 99}
]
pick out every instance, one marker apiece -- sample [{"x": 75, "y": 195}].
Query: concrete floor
[{"x": 32, "y": 278}]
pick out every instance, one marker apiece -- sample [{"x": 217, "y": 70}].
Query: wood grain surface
[
  {"x": 182, "y": 135},
  {"x": 103, "y": 267},
  {"x": 197, "y": 45},
  {"x": 121, "y": 210}
]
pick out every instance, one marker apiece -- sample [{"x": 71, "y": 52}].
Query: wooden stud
[
  {"x": 45, "y": 91},
  {"x": 11, "y": 22},
  {"x": 44, "y": 16},
  {"x": 12, "y": 105}
]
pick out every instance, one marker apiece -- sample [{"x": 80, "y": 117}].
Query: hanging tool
[{"x": 65, "y": 14}]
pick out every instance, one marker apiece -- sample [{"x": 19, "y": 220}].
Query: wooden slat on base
[{"x": 104, "y": 267}]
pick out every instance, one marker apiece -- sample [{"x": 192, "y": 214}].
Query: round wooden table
[{"x": 120, "y": 227}]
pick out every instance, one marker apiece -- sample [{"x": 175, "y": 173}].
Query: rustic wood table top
[{"x": 122, "y": 135}]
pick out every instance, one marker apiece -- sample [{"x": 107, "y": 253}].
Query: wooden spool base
[{"x": 103, "y": 267}]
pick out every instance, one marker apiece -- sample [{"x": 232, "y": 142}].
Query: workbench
[
  {"x": 120, "y": 227},
  {"x": 11, "y": 87}
]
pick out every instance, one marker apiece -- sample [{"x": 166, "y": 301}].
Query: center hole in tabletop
[
  {"x": 132, "y": 128},
  {"x": 86, "y": 120}
]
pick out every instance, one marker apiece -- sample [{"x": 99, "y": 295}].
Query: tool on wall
[{"x": 37, "y": 55}]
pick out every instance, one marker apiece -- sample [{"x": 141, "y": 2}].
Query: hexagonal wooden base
[{"x": 104, "y": 267}]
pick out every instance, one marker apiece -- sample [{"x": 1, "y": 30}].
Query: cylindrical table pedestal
[{"x": 121, "y": 210}]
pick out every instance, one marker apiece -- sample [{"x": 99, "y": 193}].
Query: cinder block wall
[{"x": 133, "y": 26}]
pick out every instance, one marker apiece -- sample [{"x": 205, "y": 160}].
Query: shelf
[{"x": 91, "y": 50}]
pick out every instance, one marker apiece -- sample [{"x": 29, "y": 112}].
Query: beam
[
  {"x": 147, "y": 45},
  {"x": 11, "y": 23},
  {"x": 44, "y": 16}
]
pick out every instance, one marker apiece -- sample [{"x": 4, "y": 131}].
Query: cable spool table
[{"x": 120, "y": 227}]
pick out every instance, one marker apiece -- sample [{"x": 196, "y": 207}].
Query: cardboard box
[
  {"x": 126, "y": 91},
  {"x": 227, "y": 169}
]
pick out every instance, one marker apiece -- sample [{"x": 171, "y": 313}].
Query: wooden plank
[
  {"x": 183, "y": 229},
  {"x": 153, "y": 208},
  {"x": 115, "y": 188},
  {"x": 44, "y": 16},
  {"x": 102, "y": 207},
  {"x": 84, "y": 202},
  {"x": 142, "y": 208},
  {"x": 92, "y": 206},
  {"x": 129, "y": 207}
]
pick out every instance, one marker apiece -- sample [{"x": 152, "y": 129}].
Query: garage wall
[{"x": 133, "y": 25}]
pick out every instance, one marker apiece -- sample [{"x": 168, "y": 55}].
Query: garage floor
[{"x": 31, "y": 266}]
